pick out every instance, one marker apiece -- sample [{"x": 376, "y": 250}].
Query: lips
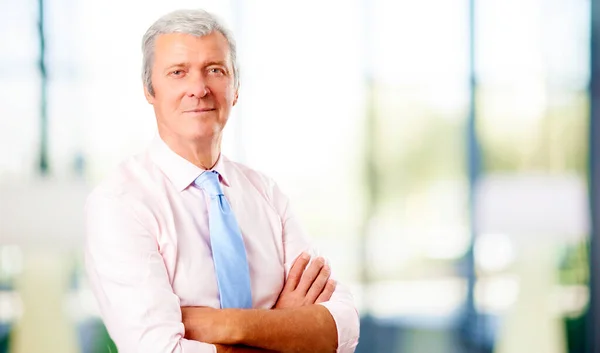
[{"x": 200, "y": 110}]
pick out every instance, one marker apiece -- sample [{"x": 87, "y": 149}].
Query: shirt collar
[{"x": 179, "y": 170}]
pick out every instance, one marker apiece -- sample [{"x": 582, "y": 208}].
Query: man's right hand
[{"x": 306, "y": 286}]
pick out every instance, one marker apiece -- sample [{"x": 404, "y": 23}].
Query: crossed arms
[{"x": 297, "y": 323}]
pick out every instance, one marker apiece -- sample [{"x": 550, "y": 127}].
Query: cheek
[
  {"x": 228, "y": 95},
  {"x": 170, "y": 100}
]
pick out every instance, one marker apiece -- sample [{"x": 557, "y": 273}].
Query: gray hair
[{"x": 195, "y": 22}]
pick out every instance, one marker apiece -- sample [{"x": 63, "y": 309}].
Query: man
[{"x": 190, "y": 252}]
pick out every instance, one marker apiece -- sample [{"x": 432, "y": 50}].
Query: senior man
[{"x": 188, "y": 251}]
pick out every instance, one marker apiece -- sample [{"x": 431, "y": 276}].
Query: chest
[{"x": 184, "y": 242}]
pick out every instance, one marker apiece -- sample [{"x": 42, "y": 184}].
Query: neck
[{"x": 202, "y": 153}]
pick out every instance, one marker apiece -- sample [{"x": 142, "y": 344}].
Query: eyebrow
[
  {"x": 209, "y": 63},
  {"x": 217, "y": 63},
  {"x": 173, "y": 66}
]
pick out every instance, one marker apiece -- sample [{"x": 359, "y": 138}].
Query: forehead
[{"x": 191, "y": 49}]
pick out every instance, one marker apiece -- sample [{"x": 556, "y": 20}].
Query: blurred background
[{"x": 460, "y": 139}]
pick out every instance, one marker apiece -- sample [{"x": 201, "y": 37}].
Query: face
[{"x": 193, "y": 84}]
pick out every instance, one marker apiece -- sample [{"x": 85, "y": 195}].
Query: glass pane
[
  {"x": 19, "y": 125},
  {"x": 418, "y": 232},
  {"x": 533, "y": 108},
  {"x": 18, "y": 53}
]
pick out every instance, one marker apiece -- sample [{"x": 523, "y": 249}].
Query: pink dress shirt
[{"x": 148, "y": 251}]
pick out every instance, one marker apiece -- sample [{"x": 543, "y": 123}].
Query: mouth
[{"x": 200, "y": 110}]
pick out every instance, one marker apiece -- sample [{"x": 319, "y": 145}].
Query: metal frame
[
  {"x": 593, "y": 315},
  {"x": 471, "y": 326},
  {"x": 43, "y": 148}
]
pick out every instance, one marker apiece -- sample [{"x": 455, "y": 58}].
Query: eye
[
  {"x": 176, "y": 73},
  {"x": 216, "y": 71}
]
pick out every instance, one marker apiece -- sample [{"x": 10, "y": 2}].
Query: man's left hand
[{"x": 306, "y": 286}]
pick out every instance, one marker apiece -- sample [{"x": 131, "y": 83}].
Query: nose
[{"x": 197, "y": 87}]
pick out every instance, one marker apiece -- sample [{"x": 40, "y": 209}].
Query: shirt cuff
[
  {"x": 190, "y": 346},
  {"x": 347, "y": 324}
]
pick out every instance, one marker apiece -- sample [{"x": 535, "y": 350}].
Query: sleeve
[
  {"x": 129, "y": 279},
  {"x": 341, "y": 305}
]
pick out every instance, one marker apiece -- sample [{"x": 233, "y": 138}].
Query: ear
[
  {"x": 235, "y": 98},
  {"x": 149, "y": 97}
]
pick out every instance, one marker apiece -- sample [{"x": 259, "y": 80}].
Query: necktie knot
[{"x": 209, "y": 182}]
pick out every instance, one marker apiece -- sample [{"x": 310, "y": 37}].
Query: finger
[
  {"x": 318, "y": 285},
  {"x": 309, "y": 276},
  {"x": 327, "y": 292},
  {"x": 296, "y": 272}
]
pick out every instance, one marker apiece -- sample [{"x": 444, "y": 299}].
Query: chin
[{"x": 202, "y": 134}]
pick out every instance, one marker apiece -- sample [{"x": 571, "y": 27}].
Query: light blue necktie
[{"x": 229, "y": 253}]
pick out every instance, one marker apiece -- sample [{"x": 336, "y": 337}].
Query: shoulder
[
  {"x": 252, "y": 174},
  {"x": 261, "y": 181},
  {"x": 265, "y": 185},
  {"x": 126, "y": 186}
]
